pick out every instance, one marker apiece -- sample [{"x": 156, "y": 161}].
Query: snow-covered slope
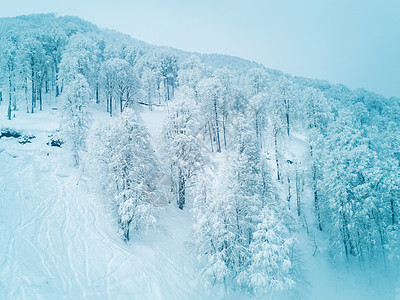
[{"x": 58, "y": 239}]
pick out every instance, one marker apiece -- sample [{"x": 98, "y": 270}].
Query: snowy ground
[{"x": 58, "y": 239}]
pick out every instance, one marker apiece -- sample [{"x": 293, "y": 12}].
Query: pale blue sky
[{"x": 348, "y": 41}]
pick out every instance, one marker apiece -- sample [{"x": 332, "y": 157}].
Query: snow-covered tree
[
  {"x": 8, "y": 63},
  {"x": 126, "y": 83},
  {"x": 191, "y": 72},
  {"x": 273, "y": 268},
  {"x": 130, "y": 53},
  {"x": 227, "y": 80},
  {"x": 54, "y": 40},
  {"x": 126, "y": 166},
  {"x": 180, "y": 145},
  {"x": 210, "y": 93},
  {"x": 256, "y": 81},
  {"x": 82, "y": 56},
  {"x": 75, "y": 116},
  {"x": 318, "y": 114},
  {"x": 257, "y": 113},
  {"x": 121, "y": 83},
  {"x": 220, "y": 252},
  {"x": 148, "y": 67},
  {"x": 169, "y": 71},
  {"x": 350, "y": 182},
  {"x": 281, "y": 95},
  {"x": 35, "y": 59},
  {"x": 149, "y": 86},
  {"x": 243, "y": 238}
]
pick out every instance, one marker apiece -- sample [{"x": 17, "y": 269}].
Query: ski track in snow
[{"x": 58, "y": 241}]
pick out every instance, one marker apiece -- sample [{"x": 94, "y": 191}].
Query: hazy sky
[{"x": 348, "y": 41}]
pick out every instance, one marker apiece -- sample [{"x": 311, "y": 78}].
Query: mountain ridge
[{"x": 216, "y": 60}]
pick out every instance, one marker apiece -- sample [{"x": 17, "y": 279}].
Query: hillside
[
  {"x": 132, "y": 171},
  {"x": 59, "y": 239}
]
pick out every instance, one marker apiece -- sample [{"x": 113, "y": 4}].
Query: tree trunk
[
  {"x": 287, "y": 117},
  {"x": 111, "y": 109},
  {"x": 181, "y": 190},
  {"x": 97, "y": 93},
  {"x": 125, "y": 228},
  {"x": 217, "y": 126},
  {"x": 347, "y": 240},
  {"x": 108, "y": 103},
  {"x": 56, "y": 78},
  {"x": 10, "y": 97},
  {"x": 14, "y": 100},
  {"x": 224, "y": 128},
  {"x": 289, "y": 196},
  {"x": 209, "y": 129},
  {"x": 158, "y": 91},
  {"x": 316, "y": 200},
  {"x": 26, "y": 95},
  {"x": 40, "y": 97},
  {"x": 171, "y": 84},
  {"x": 298, "y": 192},
  {"x": 166, "y": 89},
  {"x": 46, "y": 85},
  {"x": 278, "y": 174},
  {"x": 33, "y": 91}
]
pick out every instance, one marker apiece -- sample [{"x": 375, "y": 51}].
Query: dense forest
[{"x": 257, "y": 155}]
